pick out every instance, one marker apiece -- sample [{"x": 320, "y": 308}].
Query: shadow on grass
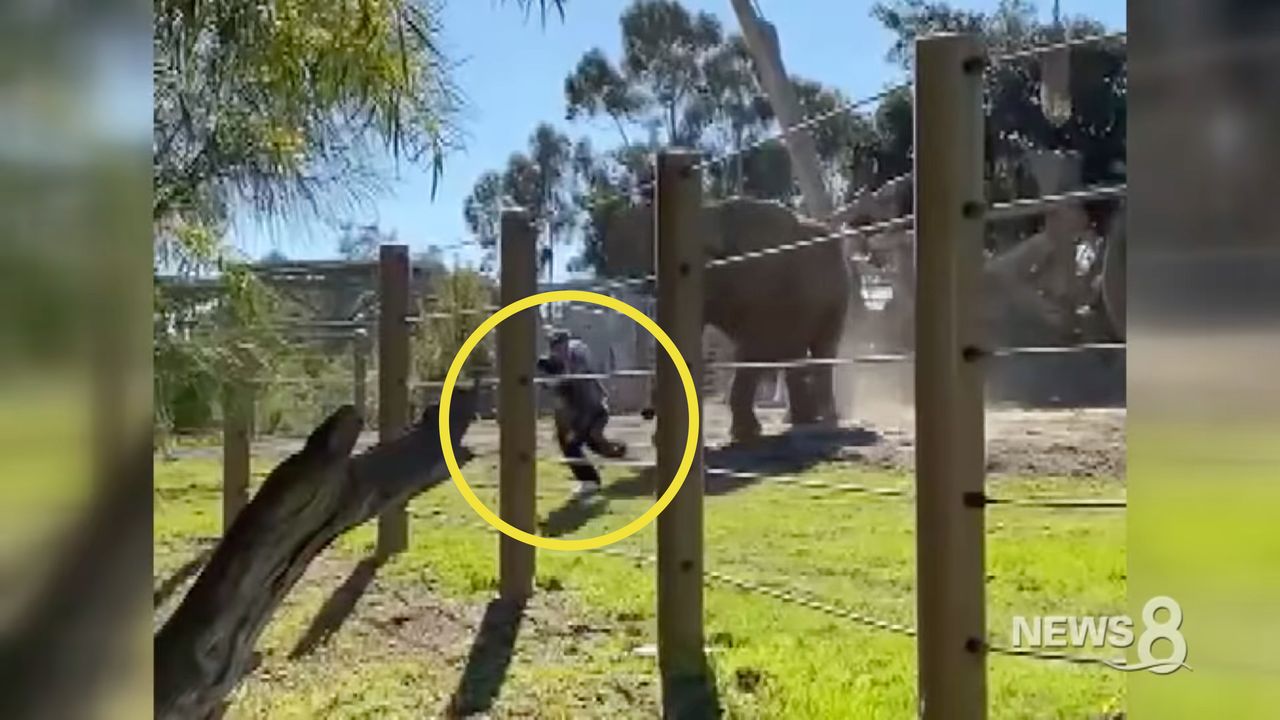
[
  {"x": 746, "y": 464},
  {"x": 337, "y": 608},
  {"x": 692, "y": 697},
  {"x": 180, "y": 576},
  {"x": 489, "y": 659}
]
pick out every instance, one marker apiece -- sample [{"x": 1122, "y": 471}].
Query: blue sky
[{"x": 512, "y": 72}]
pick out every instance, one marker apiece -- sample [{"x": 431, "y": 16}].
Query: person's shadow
[{"x": 728, "y": 469}]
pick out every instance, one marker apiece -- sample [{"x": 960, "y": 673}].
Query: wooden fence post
[
  {"x": 360, "y": 371},
  {"x": 393, "y": 377},
  {"x": 237, "y": 436},
  {"x": 517, "y": 439},
  {"x": 681, "y": 259},
  {"x": 950, "y": 465}
]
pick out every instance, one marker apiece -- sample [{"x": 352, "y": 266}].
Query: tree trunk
[
  {"x": 762, "y": 43},
  {"x": 310, "y": 499}
]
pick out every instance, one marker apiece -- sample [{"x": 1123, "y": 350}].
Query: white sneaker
[{"x": 585, "y": 490}]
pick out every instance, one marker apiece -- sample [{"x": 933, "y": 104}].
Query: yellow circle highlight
[{"x": 686, "y": 379}]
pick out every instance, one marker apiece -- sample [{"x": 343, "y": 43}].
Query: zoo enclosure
[
  {"x": 950, "y": 356},
  {"x": 949, "y": 224}
]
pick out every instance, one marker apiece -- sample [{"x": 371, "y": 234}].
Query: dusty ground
[
  {"x": 1066, "y": 443},
  {"x": 1062, "y": 443}
]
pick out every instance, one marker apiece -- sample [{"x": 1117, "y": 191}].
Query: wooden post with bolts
[
  {"x": 950, "y": 465},
  {"x": 237, "y": 436},
  {"x": 360, "y": 371},
  {"x": 681, "y": 259},
  {"x": 393, "y": 377},
  {"x": 517, "y": 439}
]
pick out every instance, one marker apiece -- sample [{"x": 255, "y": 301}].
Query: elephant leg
[
  {"x": 742, "y": 397},
  {"x": 800, "y": 397},
  {"x": 824, "y": 395},
  {"x": 827, "y": 347}
]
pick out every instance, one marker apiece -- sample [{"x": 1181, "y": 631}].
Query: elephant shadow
[{"x": 729, "y": 469}]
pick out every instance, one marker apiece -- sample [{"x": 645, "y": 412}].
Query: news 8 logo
[
  {"x": 1155, "y": 630},
  {"x": 1115, "y": 631}
]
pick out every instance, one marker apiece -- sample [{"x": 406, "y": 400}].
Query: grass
[{"x": 402, "y": 651}]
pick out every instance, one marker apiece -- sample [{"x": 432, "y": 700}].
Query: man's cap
[{"x": 558, "y": 335}]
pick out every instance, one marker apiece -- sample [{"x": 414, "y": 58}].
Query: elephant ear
[{"x": 748, "y": 225}]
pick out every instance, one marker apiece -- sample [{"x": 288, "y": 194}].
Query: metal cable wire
[
  {"x": 794, "y": 598},
  {"x": 1061, "y": 503},
  {"x": 603, "y": 286},
  {"x": 1056, "y": 349},
  {"x": 871, "y": 358},
  {"x": 625, "y": 372},
  {"x": 856, "y": 617},
  {"x": 810, "y": 603},
  {"x": 1024, "y": 207},
  {"x": 1073, "y": 658},
  {"x": 460, "y": 245},
  {"x": 1001, "y": 211},
  {"x": 371, "y": 320},
  {"x": 876, "y": 358},
  {"x": 305, "y": 382},
  {"x": 450, "y": 314},
  {"x": 1041, "y": 502},
  {"x": 776, "y": 593},
  {"x": 997, "y": 212},
  {"x": 890, "y": 184},
  {"x": 855, "y": 488},
  {"x": 805, "y": 124},
  {"x": 782, "y": 133},
  {"x": 850, "y": 106},
  {"x": 875, "y": 228},
  {"x": 601, "y": 462},
  {"x": 1037, "y": 50},
  {"x": 483, "y": 381},
  {"x": 789, "y": 479}
]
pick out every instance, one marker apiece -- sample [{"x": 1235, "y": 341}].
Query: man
[{"x": 581, "y": 410}]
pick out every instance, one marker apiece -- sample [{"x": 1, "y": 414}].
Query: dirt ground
[
  {"x": 1084, "y": 442},
  {"x": 1062, "y": 443}
]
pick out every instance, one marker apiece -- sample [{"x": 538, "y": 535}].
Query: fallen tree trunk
[{"x": 206, "y": 646}]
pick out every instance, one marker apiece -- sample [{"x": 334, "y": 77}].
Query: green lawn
[{"x": 402, "y": 651}]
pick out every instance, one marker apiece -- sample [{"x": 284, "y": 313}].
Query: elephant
[{"x": 774, "y": 308}]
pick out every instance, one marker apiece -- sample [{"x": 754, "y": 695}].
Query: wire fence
[
  {"x": 797, "y": 480},
  {"x": 997, "y": 212},
  {"x": 791, "y": 596},
  {"x": 1045, "y": 49},
  {"x": 808, "y": 123}
]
